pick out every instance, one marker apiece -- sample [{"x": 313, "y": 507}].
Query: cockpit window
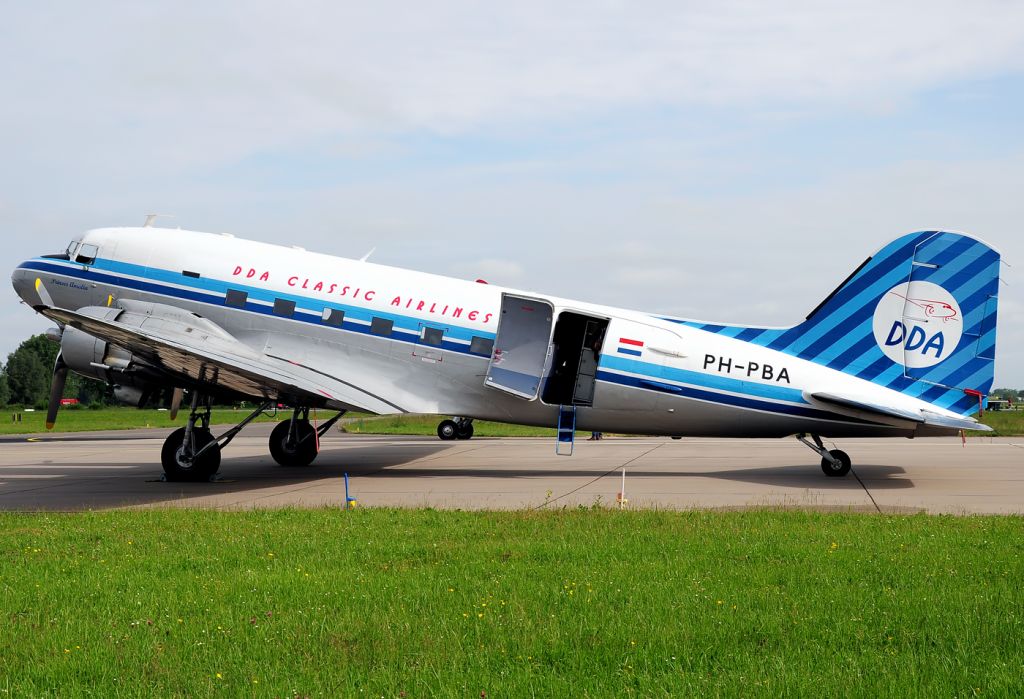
[
  {"x": 86, "y": 254},
  {"x": 68, "y": 254}
]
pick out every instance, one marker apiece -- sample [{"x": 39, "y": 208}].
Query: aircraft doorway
[{"x": 576, "y": 347}]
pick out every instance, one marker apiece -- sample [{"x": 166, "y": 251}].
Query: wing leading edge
[{"x": 212, "y": 356}]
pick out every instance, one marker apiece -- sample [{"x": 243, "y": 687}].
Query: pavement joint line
[{"x": 597, "y": 478}]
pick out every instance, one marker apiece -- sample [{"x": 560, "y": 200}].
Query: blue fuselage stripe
[{"x": 648, "y": 376}]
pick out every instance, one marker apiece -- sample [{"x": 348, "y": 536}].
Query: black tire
[
  {"x": 834, "y": 470},
  {"x": 202, "y": 469},
  {"x": 464, "y": 431},
  {"x": 301, "y": 454},
  {"x": 448, "y": 430}
]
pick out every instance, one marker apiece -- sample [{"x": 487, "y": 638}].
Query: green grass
[
  {"x": 567, "y": 603},
  {"x": 427, "y": 425},
  {"x": 84, "y": 420},
  {"x": 1007, "y": 423}
]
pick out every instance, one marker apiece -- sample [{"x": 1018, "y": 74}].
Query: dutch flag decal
[{"x": 630, "y": 347}]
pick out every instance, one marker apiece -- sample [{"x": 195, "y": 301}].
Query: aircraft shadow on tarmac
[{"x": 139, "y": 484}]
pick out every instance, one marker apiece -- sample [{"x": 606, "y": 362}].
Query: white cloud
[{"x": 191, "y": 84}]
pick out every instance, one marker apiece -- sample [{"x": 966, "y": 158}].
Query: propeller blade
[
  {"x": 44, "y": 295},
  {"x": 60, "y": 376},
  {"x": 176, "y": 402}
]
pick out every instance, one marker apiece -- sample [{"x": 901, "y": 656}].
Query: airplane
[{"x": 904, "y": 347}]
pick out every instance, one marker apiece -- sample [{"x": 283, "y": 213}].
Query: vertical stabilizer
[{"x": 919, "y": 317}]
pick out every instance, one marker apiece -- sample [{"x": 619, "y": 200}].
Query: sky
[{"x": 727, "y": 161}]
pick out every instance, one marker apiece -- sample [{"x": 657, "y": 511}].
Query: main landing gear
[
  {"x": 835, "y": 463},
  {"x": 192, "y": 453},
  {"x": 459, "y": 428},
  {"x": 296, "y": 442}
]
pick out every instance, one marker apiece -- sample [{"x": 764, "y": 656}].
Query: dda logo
[{"x": 917, "y": 324}]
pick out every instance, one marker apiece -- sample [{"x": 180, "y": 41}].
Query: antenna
[
  {"x": 150, "y": 218},
  {"x": 365, "y": 257}
]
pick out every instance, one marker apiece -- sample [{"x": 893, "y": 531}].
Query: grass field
[
  {"x": 1006, "y": 423},
  {"x": 427, "y": 425},
  {"x": 131, "y": 418},
  {"x": 83, "y": 420},
  {"x": 564, "y": 603}
]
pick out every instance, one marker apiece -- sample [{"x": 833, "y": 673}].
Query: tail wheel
[
  {"x": 836, "y": 470},
  {"x": 298, "y": 452},
  {"x": 448, "y": 429},
  {"x": 179, "y": 468}
]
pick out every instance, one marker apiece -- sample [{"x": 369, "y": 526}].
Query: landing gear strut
[
  {"x": 459, "y": 428},
  {"x": 835, "y": 463},
  {"x": 296, "y": 442},
  {"x": 192, "y": 453}
]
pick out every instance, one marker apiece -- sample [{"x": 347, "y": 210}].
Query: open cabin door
[
  {"x": 520, "y": 346},
  {"x": 576, "y": 350}
]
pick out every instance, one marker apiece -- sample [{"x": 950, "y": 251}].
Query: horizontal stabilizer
[
  {"x": 857, "y": 404},
  {"x": 923, "y": 417},
  {"x": 956, "y": 423}
]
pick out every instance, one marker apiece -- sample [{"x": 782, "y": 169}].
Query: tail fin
[{"x": 919, "y": 317}]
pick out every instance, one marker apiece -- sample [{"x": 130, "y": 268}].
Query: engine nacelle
[
  {"x": 90, "y": 356},
  {"x": 97, "y": 359}
]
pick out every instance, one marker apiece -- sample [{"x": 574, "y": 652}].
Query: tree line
[{"x": 25, "y": 378}]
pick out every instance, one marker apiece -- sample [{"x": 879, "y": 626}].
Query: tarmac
[{"x": 91, "y": 471}]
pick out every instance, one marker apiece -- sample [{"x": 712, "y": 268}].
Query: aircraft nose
[{"x": 24, "y": 282}]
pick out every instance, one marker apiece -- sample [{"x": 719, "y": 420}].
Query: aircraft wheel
[
  {"x": 447, "y": 430},
  {"x": 836, "y": 470},
  {"x": 177, "y": 468},
  {"x": 464, "y": 431},
  {"x": 299, "y": 454}
]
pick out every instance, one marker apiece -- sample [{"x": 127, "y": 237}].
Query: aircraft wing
[
  {"x": 922, "y": 417},
  {"x": 206, "y": 354}
]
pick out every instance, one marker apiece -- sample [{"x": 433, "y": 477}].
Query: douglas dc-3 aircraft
[{"x": 903, "y": 347}]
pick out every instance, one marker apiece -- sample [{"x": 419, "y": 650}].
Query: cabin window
[
  {"x": 87, "y": 254},
  {"x": 235, "y": 298},
  {"x": 284, "y": 308},
  {"x": 432, "y": 336},
  {"x": 381, "y": 326},
  {"x": 481, "y": 345},
  {"x": 334, "y": 317}
]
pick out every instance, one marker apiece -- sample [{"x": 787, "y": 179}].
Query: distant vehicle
[
  {"x": 904, "y": 347},
  {"x": 68, "y": 401},
  {"x": 994, "y": 404}
]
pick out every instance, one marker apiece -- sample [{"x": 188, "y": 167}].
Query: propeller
[
  {"x": 176, "y": 402},
  {"x": 60, "y": 376},
  {"x": 44, "y": 295}
]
